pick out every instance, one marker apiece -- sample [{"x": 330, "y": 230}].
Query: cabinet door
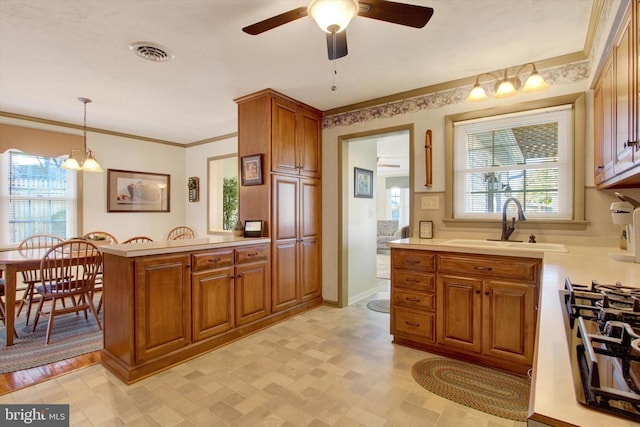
[
  {"x": 308, "y": 143},
  {"x": 285, "y": 207},
  {"x": 310, "y": 208},
  {"x": 604, "y": 116},
  {"x": 212, "y": 302},
  {"x": 509, "y": 321},
  {"x": 252, "y": 293},
  {"x": 285, "y": 291},
  {"x": 284, "y": 157},
  {"x": 163, "y": 310},
  {"x": 624, "y": 96},
  {"x": 459, "y": 312},
  {"x": 310, "y": 253}
]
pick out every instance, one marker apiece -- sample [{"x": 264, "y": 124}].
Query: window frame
[
  {"x": 74, "y": 202},
  {"x": 577, "y": 222}
]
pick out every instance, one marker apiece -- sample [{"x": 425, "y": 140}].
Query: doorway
[{"x": 367, "y": 223}]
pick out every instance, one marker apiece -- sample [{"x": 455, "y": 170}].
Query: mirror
[{"x": 222, "y": 194}]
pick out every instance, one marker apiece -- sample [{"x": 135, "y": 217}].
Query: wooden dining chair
[
  {"x": 100, "y": 236},
  {"x": 138, "y": 239},
  {"x": 182, "y": 232},
  {"x": 68, "y": 270},
  {"x": 31, "y": 277},
  {"x": 3, "y": 313}
]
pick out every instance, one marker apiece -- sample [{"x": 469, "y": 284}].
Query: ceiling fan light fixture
[{"x": 330, "y": 14}]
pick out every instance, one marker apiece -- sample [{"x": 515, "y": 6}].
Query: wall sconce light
[
  {"x": 86, "y": 161},
  {"x": 506, "y": 86}
]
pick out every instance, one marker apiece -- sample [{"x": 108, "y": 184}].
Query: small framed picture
[
  {"x": 363, "y": 183},
  {"x": 252, "y": 169},
  {"x": 426, "y": 229},
  {"x": 253, "y": 228}
]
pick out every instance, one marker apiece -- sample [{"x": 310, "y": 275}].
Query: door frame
[{"x": 344, "y": 193}]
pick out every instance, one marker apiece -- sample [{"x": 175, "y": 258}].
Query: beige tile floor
[{"x": 325, "y": 367}]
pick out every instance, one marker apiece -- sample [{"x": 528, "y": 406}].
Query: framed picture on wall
[
  {"x": 129, "y": 191},
  {"x": 363, "y": 183},
  {"x": 251, "y": 168}
]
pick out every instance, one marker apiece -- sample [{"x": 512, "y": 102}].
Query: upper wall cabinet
[
  {"x": 295, "y": 144},
  {"x": 616, "y": 110}
]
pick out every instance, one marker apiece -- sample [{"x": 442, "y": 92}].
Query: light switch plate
[{"x": 429, "y": 203}]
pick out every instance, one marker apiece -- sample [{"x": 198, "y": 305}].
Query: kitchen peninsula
[
  {"x": 553, "y": 398},
  {"x": 168, "y": 301}
]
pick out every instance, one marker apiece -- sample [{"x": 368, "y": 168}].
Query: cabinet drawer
[
  {"x": 213, "y": 259},
  {"x": 418, "y": 300},
  {"x": 525, "y": 269},
  {"x": 414, "y": 259},
  {"x": 413, "y": 280},
  {"x": 251, "y": 253},
  {"x": 420, "y": 325}
]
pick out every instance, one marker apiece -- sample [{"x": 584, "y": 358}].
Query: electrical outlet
[{"x": 429, "y": 203}]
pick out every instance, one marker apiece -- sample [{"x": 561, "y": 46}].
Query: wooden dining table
[{"x": 11, "y": 263}]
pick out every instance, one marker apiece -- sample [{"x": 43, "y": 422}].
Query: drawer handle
[
  {"x": 481, "y": 268},
  {"x": 412, "y": 280},
  {"x": 412, "y": 324},
  {"x": 412, "y": 299},
  {"x": 214, "y": 260},
  {"x": 413, "y": 261},
  {"x": 252, "y": 254}
]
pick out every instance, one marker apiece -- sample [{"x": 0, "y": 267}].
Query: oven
[{"x": 603, "y": 332}]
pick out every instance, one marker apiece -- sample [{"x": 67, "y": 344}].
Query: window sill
[{"x": 530, "y": 224}]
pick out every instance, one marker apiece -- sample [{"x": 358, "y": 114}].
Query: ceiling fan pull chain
[
  {"x": 335, "y": 72},
  {"x": 333, "y": 36}
]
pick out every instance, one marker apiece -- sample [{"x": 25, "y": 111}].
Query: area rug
[
  {"x": 71, "y": 336},
  {"x": 487, "y": 390},
  {"x": 381, "y": 305}
]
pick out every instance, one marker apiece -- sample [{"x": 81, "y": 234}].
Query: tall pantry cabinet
[{"x": 288, "y": 135}]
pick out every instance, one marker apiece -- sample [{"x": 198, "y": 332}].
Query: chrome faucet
[{"x": 507, "y": 230}]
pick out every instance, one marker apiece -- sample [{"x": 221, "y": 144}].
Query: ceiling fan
[{"x": 333, "y": 16}]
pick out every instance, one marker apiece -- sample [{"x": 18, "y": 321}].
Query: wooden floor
[{"x": 12, "y": 381}]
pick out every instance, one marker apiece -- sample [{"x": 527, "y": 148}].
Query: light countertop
[
  {"x": 553, "y": 390},
  {"x": 182, "y": 245}
]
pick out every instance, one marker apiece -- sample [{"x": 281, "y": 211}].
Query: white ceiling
[{"x": 52, "y": 52}]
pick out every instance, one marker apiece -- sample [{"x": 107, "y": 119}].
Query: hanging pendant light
[{"x": 87, "y": 162}]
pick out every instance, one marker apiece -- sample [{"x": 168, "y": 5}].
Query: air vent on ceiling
[{"x": 151, "y": 51}]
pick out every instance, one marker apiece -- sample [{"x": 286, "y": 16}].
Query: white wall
[
  {"x": 196, "y": 165},
  {"x": 423, "y": 119},
  {"x": 117, "y": 152},
  {"x": 362, "y": 226}
]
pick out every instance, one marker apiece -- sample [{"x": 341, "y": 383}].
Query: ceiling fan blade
[
  {"x": 339, "y": 48},
  {"x": 396, "y": 13},
  {"x": 275, "y": 21}
]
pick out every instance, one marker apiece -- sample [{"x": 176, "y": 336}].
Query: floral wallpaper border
[{"x": 568, "y": 73}]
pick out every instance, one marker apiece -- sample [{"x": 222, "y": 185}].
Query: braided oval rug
[{"x": 487, "y": 390}]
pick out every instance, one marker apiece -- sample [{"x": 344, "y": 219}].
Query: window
[
  {"x": 223, "y": 193},
  {"x": 527, "y": 155},
  {"x": 36, "y": 197}
]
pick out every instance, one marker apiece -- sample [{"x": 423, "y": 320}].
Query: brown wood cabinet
[
  {"x": 212, "y": 285},
  {"x": 616, "y": 108},
  {"x": 288, "y": 134},
  {"x": 297, "y": 249},
  {"x": 295, "y": 144},
  {"x": 161, "y": 310},
  {"x": 162, "y": 315},
  {"x": 252, "y": 284},
  {"x": 475, "y": 307}
]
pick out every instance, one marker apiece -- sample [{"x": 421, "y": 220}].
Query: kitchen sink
[{"x": 543, "y": 247}]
